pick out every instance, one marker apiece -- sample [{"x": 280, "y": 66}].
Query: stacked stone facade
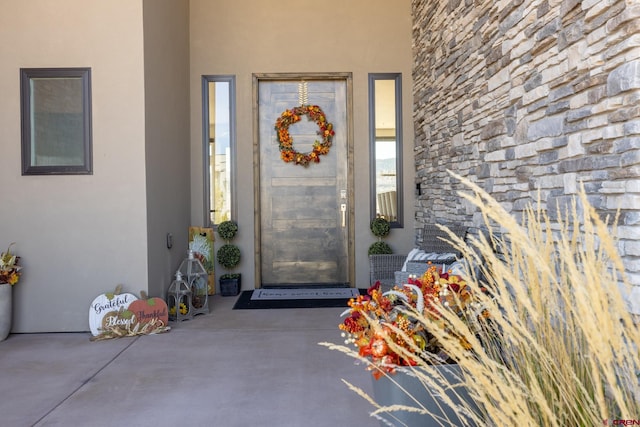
[{"x": 524, "y": 95}]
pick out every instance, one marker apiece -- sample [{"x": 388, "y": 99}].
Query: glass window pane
[
  {"x": 386, "y": 176},
  {"x": 56, "y": 121},
  {"x": 386, "y": 147},
  {"x": 219, "y": 147}
]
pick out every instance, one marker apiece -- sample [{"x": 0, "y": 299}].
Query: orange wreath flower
[{"x": 285, "y": 141}]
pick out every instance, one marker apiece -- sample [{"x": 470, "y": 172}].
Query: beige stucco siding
[
  {"x": 79, "y": 235},
  {"x": 82, "y": 235}
]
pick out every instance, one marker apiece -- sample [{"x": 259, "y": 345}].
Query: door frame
[{"x": 272, "y": 77}]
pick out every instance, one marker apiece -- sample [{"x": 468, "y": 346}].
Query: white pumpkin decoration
[{"x": 105, "y": 304}]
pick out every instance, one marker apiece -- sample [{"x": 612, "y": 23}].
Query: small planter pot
[
  {"x": 230, "y": 286},
  {"x": 386, "y": 393},
  {"x": 6, "y": 305}
]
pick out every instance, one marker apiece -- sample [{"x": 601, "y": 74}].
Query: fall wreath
[{"x": 289, "y": 117}]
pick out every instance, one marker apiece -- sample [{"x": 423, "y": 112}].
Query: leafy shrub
[
  {"x": 380, "y": 227},
  {"x": 380, "y": 248}
]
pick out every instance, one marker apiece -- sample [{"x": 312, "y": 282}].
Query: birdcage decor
[
  {"x": 179, "y": 299},
  {"x": 197, "y": 278}
]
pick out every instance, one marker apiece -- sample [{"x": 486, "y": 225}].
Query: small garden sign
[{"x": 116, "y": 314}]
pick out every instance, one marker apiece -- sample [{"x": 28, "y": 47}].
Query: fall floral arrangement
[
  {"x": 285, "y": 141},
  {"x": 561, "y": 346},
  {"x": 9, "y": 268},
  {"x": 390, "y": 328}
]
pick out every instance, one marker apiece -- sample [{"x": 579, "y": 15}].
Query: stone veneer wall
[{"x": 519, "y": 95}]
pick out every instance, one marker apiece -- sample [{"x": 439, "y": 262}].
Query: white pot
[{"x": 5, "y": 310}]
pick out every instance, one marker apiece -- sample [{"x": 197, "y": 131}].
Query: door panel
[{"x": 303, "y": 237}]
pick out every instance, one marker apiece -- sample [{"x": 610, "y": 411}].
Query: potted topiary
[
  {"x": 380, "y": 248},
  {"x": 380, "y": 228},
  {"x": 228, "y": 257}
]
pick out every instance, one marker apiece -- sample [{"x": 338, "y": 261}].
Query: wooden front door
[{"x": 304, "y": 212}]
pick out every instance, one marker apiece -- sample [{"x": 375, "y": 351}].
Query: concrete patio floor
[{"x": 227, "y": 368}]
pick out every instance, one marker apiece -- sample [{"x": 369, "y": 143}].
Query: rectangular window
[
  {"x": 56, "y": 121},
  {"x": 219, "y": 146},
  {"x": 385, "y": 139}
]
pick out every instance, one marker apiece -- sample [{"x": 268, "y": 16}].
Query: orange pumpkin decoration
[{"x": 147, "y": 310}]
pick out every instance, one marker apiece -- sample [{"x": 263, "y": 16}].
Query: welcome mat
[
  {"x": 296, "y": 298},
  {"x": 305, "y": 293}
]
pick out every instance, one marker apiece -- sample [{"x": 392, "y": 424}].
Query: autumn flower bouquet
[
  {"x": 561, "y": 348},
  {"x": 9, "y": 268},
  {"x": 394, "y": 328}
]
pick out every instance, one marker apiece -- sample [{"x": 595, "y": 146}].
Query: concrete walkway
[{"x": 227, "y": 368}]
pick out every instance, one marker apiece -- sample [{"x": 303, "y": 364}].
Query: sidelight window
[
  {"x": 385, "y": 139},
  {"x": 219, "y": 147}
]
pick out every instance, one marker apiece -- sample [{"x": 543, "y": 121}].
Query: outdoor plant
[
  {"x": 399, "y": 315},
  {"x": 228, "y": 254},
  {"x": 380, "y": 228},
  {"x": 562, "y": 346},
  {"x": 379, "y": 248},
  {"x": 9, "y": 267}
]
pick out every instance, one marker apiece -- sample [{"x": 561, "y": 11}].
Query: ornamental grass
[{"x": 561, "y": 346}]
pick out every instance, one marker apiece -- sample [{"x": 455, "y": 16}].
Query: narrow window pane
[
  {"x": 219, "y": 147},
  {"x": 386, "y": 176},
  {"x": 386, "y": 147}
]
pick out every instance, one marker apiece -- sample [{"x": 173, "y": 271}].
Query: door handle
[{"x": 343, "y": 209}]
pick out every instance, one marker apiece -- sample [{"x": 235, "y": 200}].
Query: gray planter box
[{"x": 386, "y": 393}]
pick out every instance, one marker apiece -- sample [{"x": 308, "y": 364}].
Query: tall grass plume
[{"x": 560, "y": 347}]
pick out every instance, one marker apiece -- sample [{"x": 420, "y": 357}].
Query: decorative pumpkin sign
[
  {"x": 149, "y": 311},
  {"x": 114, "y": 315},
  {"x": 105, "y": 309},
  {"x": 122, "y": 318}
]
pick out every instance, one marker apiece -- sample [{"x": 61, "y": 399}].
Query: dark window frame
[
  {"x": 29, "y": 76},
  {"x": 206, "y": 140},
  {"x": 397, "y": 77}
]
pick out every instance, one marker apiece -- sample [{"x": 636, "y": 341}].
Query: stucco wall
[
  {"x": 245, "y": 37},
  {"x": 166, "y": 62},
  {"x": 521, "y": 95},
  {"x": 78, "y": 236},
  {"x": 82, "y": 235}
]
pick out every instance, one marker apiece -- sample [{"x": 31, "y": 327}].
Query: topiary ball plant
[
  {"x": 380, "y": 227},
  {"x": 227, "y": 230},
  {"x": 380, "y": 248},
  {"x": 228, "y": 255}
]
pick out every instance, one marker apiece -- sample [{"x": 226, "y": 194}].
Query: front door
[{"x": 304, "y": 211}]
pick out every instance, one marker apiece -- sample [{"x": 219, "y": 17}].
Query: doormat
[
  {"x": 304, "y": 293},
  {"x": 296, "y": 298}
]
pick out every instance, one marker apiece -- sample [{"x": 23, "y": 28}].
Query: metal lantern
[
  {"x": 198, "y": 280},
  {"x": 179, "y": 299}
]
